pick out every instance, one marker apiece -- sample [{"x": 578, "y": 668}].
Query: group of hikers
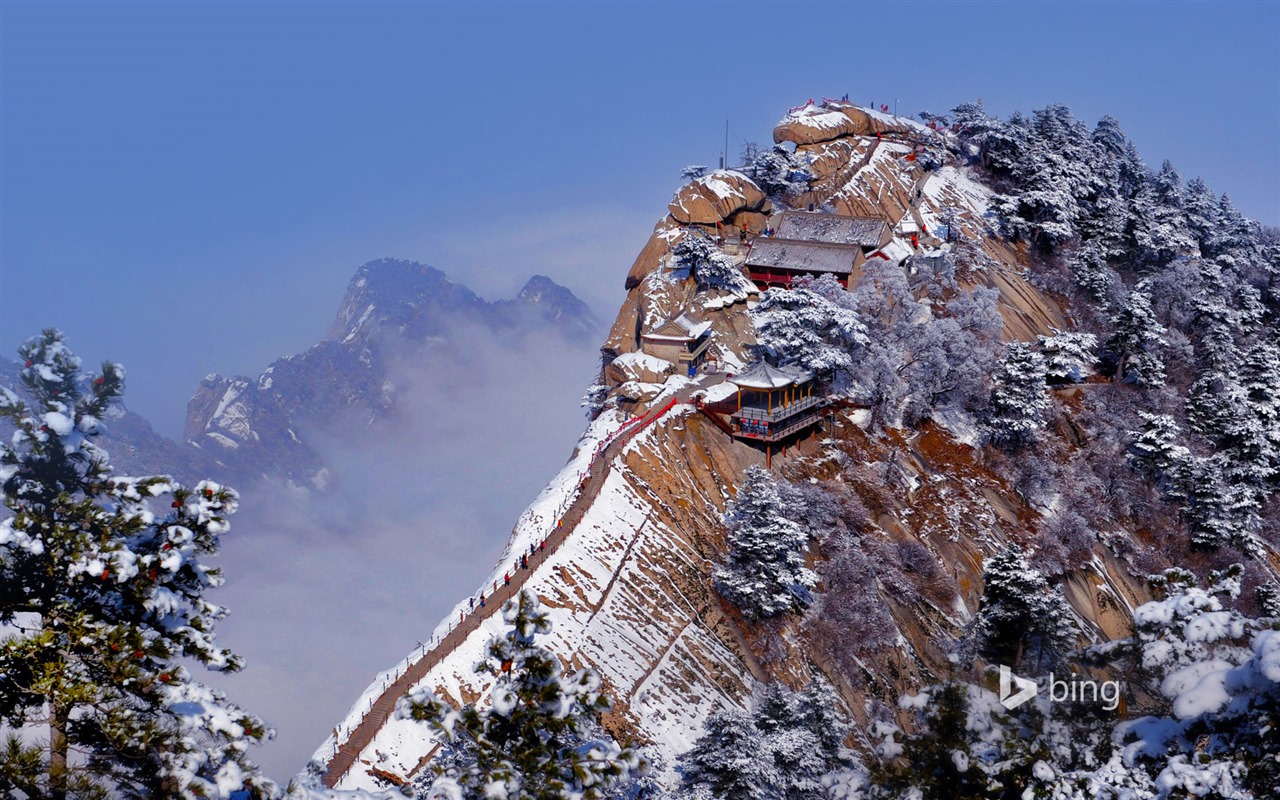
[{"x": 520, "y": 563}]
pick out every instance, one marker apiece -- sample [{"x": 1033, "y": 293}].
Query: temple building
[
  {"x": 813, "y": 243},
  {"x": 774, "y": 402},
  {"x": 679, "y": 340}
]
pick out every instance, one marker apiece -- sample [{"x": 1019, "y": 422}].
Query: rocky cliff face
[{"x": 631, "y": 592}]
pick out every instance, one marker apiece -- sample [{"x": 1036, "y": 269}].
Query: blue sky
[{"x": 188, "y": 187}]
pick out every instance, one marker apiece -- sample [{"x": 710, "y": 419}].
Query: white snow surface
[
  {"x": 955, "y": 188},
  {"x": 813, "y": 116},
  {"x": 643, "y": 361}
]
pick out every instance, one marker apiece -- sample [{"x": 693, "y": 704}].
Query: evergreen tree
[
  {"x": 1130, "y": 352},
  {"x": 727, "y": 761},
  {"x": 1202, "y": 673},
  {"x": 1160, "y": 227},
  {"x": 1201, "y": 208},
  {"x": 534, "y": 742},
  {"x": 824, "y": 731},
  {"x": 764, "y": 573},
  {"x": 779, "y": 172},
  {"x": 1221, "y": 509},
  {"x": 1052, "y": 170},
  {"x": 1018, "y": 397},
  {"x": 812, "y": 325},
  {"x": 942, "y": 760},
  {"x": 1218, "y": 318},
  {"x": 1067, "y": 356},
  {"x": 1022, "y": 620},
  {"x": 1259, "y": 435},
  {"x": 782, "y": 750},
  {"x": 105, "y": 596},
  {"x": 1234, "y": 235},
  {"x": 709, "y": 266},
  {"x": 1089, "y": 268},
  {"x": 1155, "y": 449},
  {"x": 1214, "y": 670}
]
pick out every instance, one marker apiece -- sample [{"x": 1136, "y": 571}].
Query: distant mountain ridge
[
  {"x": 392, "y": 309},
  {"x": 239, "y": 428}
]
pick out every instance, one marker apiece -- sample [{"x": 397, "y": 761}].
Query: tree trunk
[
  {"x": 59, "y": 713},
  {"x": 57, "y": 752}
]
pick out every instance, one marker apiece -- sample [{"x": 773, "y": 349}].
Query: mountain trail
[{"x": 348, "y": 752}]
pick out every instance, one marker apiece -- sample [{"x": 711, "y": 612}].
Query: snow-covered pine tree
[
  {"x": 1160, "y": 226},
  {"x": 709, "y": 266},
  {"x": 104, "y": 595},
  {"x": 944, "y": 758},
  {"x": 1000, "y": 145},
  {"x": 1067, "y": 356},
  {"x": 1214, "y": 669},
  {"x": 535, "y": 740},
  {"x": 1053, "y": 176},
  {"x": 764, "y": 572},
  {"x": 1200, "y": 206},
  {"x": 818, "y": 731},
  {"x": 727, "y": 761},
  {"x": 593, "y": 401},
  {"x": 1155, "y": 449},
  {"x": 1221, "y": 509},
  {"x": 1119, "y": 172},
  {"x": 1202, "y": 673},
  {"x": 779, "y": 172},
  {"x": 692, "y": 172},
  {"x": 1022, "y": 619},
  {"x": 782, "y": 750},
  {"x": 1018, "y": 397},
  {"x": 1130, "y": 352},
  {"x": 1089, "y": 268},
  {"x": 812, "y": 325},
  {"x": 1259, "y": 438},
  {"x": 1234, "y": 235}
]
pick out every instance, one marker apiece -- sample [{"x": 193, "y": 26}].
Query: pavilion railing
[{"x": 780, "y": 412}]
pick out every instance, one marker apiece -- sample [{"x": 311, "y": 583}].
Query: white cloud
[{"x": 327, "y": 590}]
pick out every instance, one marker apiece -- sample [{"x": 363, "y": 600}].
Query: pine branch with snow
[
  {"x": 708, "y": 264},
  {"x": 1068, "y": 357},
  {"x": 103, "y": 579},
  {"x": 789, "y": 747},
  {"x": 812, "y": 325}
]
